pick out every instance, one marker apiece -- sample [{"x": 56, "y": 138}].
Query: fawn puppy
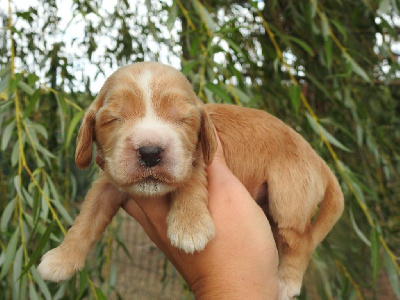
[{"x": 154, "y": 138}]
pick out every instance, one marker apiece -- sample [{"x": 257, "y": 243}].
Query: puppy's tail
[{"x": 330, "y": 210}]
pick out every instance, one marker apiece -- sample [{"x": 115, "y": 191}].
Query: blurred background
[{"x": 328, "y": 68}]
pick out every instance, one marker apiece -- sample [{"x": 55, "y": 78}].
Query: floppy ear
[
  {"x": 208, "y": 140},
  {"x": 84, "y": 142},
  {"x": 83, "y": 153}
]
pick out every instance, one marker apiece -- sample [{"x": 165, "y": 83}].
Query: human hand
[{"x": 242, "y": 259}]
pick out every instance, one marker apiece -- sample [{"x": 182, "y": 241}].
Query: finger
[
  {"x": 152, "y": 230},
  {"x": 218, "y": 165},
  {"x": 219, "y": 154},
  {"x": 153, "y": 223},
  {"x": 133, "y": 209}
]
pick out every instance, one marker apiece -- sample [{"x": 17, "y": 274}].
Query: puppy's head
[{"x": 149, "y": 128}]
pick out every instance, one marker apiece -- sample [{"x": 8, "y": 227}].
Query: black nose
[{"x": 150, "y": 156}]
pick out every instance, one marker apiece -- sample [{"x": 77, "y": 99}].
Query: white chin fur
[{"x": 149, "y": 188}]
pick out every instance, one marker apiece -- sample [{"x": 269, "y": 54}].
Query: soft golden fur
[{"x": 154, "y": 138}]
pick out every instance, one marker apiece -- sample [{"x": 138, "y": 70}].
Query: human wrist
[{"x": 233, "y": 287}]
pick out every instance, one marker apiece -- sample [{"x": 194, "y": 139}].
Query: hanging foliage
[{"x": 330, "y": 69}]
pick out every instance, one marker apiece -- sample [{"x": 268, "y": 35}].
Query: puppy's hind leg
[
  {"x": 100, "y": 206},
  {"x": 295, "y": 250},
  {"x": 292, "y": 204},
  {"x": 297, "y": 240}
]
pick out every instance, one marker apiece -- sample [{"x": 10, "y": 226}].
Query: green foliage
[{"x": 327, "y": 68}]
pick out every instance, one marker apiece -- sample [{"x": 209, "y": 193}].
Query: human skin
[{"x": 241, "y": 261}]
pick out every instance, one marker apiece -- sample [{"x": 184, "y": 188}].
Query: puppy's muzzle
[{"x": 150, "y": 156}]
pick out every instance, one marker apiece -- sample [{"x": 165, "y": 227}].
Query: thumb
[{"x": 219, "y": 158}]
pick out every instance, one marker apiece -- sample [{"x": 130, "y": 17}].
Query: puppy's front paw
[
  {"x": 190, "y": 234},
  {"x": 57, "y": 265},
  {"x": 288, "y": 289}
]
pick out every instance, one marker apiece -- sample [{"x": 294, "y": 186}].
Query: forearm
[
  {"x": 235, "y": 287},
  {"x": 233, "y": 274}
]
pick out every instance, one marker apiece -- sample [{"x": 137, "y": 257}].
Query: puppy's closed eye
[
  {"x": 109, "y": 121},
  {"x": 107, "y": 118},
  {"x": 177, "y": 112}
]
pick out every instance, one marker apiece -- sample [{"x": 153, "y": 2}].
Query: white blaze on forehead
[
  {"x": 144, "y": 83},
  {"x": 151, "y": 129}
]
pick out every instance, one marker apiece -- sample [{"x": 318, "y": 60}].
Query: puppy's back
[
  {"x": 255, "y": 143},
  {"x": 275, "y": 162}
]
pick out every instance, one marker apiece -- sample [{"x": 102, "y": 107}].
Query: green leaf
[
  {"x": 384, "y": 6},
  {"x": 359, "y": 134},
  {"x": 61, "y": 291},
  {"x": 188, "y": 66},
  {"x": 27, "y": 197},
  {"x": 4, "y": 105},
  {"x": 153, "y": 30},
  {"x": 62, "y": 111},
  {"x": 357, "y": 188},
  {"x": 392, "y": 274},
  {"x": 312, "y": 8},
  {"x": 83, "y": 282},
  {"x": 17, "y": 265},
  {"x": 173, "y": 15},
  {"x": 243, "y": 97},
  {"x": 319, "y": 85},
  {"x": 43, "y": 287},
  {"x": 219, "y": 91},
  {"x": 328, "y": 52},
  {"x": 99, "y": 294},
  {"x": 206, "y": 17},
  {"x": 39, "y": 248},
  {"x": 375, "y": 257},
  {"x": 4, "y": 87},
  {"x": 356, "y": 68},
  {"x": 39, "y": 128},
  {"x": 9, "y": 253},
  {"x": 33, "y": 138},
  {"x": 113, "y": 275},
  {"x": 6, "y": 70},
  {"x": 7, "y": 133},
  {"x": 148, "y": 5},
  {"x": 236, "y": 48},
  {"x": 46, "y": 153},
  {"x": 15, "y": 155},
  {"x": 63, "y": 212},
  {"x": 326, "y": 30},
  {"x": 357, "y": 229},
  {"x": 72, "y": 126},
  {"x": 32, "y": 102},
  {"x": 321, "y": 267},
  {"x": 53, "y": 189},
  {"x": 318, "y": 128},
  {"x": 17, "y": 185},
  {"x": 45, "y": 208},
  {"x": 254, "y": 4},
  {"x": 6, "y": 216},
  {"x": 302, "y": 44},
  {"x": 33, "y": 295},
  {"x": 340, "y": 28},
  {"x": 14, "y": 82},
  {"x": 32, "y": 79},
  {"x": 22, "y": 289},
  {"x": 36, "y": 203},
  {"x": 294, "y": 92},
  {"x": 26, "y": 88},
  {"x": 195, "y": 45},
  {"x": 276, "y": 64}
]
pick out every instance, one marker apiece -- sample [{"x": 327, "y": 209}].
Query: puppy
[{"x": 154, "y": 138}]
